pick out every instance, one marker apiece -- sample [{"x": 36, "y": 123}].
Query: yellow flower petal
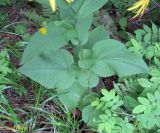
[
  {"x": 69, "y": 1},
  {"x": 43, "y": 30},
  {"x": 53, "y": 5},
  {"x": 136, "y": 5},
  {"x": 139, "y": 7}
]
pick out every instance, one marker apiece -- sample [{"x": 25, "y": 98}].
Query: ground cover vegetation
[{"x": 79, "y": 66}]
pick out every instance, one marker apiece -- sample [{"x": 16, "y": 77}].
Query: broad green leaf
[
  {"x": 86, "y": 59},
  {"x": 90, "y": 6},
  {"x": 90, "y": 113},
  {"x": 54, "y": 39},
  {"x": 117, "y": 58},
  {"x": 139, "y": 109},
  {"x": 83, "y": 24},
  {"x": 109, "y": 57},
  {"x": 95, "y": 36},
  {"x": 71, "y": 96},
  {"x": 88, "y": 79},
  {"x": 143, "y": 101},
  {"x": 87, "y": 99},
  {"x": 52, "y": 70},
  {"x": 65, "y": 10}
]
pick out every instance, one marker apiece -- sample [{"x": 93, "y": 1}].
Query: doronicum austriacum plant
[{"x": 70, "y": 55}]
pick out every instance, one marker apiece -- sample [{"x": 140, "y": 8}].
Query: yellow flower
[
  {"x": 53, "y": 5},
  {"x": 69, "y": 1},
  {"x": 139, "y": 7},
  {"x": 43, "y": 30}
]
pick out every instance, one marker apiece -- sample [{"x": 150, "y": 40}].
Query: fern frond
[
  {"x": 4, "y": 2},
  {"x": 47, "y": 12},
  {"x": 35, "y": 17}
]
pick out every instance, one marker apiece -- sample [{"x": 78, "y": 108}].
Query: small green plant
[
  {"x": 148, "y": 111},
  {"x": 144, "y": 88},
  {"x": 103, "y": 115},
  {"x": 147, "y": 36},
  {"x": 147, "y": 45}
]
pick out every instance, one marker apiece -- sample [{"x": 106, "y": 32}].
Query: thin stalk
[{"x": 5, "y": 27}]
